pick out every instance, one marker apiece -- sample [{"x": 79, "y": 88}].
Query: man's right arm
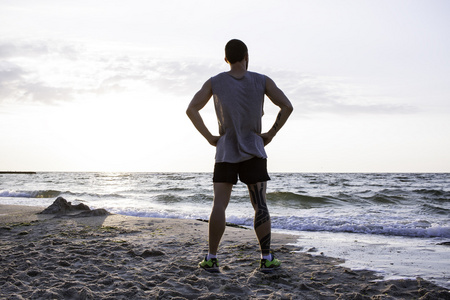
[
  {"x": 193, "y": 111},
  {"x": 279, "y": 99}
]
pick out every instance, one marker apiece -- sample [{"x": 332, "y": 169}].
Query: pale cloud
[
  {"x": 9, "y": 49},
  {"x": 33, "y": 49},
  {"x": 176, "y": 78},
  {"x": 40, "y": 92},
  {"x": 21, "y": 68},
  {"x": 10, "y": 72},
  {"x": 27, "y": 73},
  {"x": 15, "y": 85},
  {"x": 96, "y": 72},
  {"x": 10, "y": 77},
  {"x": 319, "y": 94}
]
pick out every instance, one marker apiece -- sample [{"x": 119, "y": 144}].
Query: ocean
[{"x": 395, "y": 224}]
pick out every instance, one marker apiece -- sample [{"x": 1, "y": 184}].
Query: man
[{"x": 238, "y": 98}]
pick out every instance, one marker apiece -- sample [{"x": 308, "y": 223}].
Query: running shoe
[
  {"x": 211, "y": 265},
  {"x": 267, "y": 266}
]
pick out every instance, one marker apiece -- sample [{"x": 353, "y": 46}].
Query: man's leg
[
  {"x": 262, "y": 217},
  {"x": 217, "y": 220}
]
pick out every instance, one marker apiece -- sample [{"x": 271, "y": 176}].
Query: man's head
[{"x": 235, "y": 51}]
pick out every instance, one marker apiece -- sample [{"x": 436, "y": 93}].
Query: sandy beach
[{"x": 48, "y": 256}]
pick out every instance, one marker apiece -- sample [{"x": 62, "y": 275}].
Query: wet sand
[{"x": 121, "y": 257}]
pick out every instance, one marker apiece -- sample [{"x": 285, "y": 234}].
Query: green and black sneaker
[
  {"x": 211, "y": 265},
  {"x": 267, "y": 266}
]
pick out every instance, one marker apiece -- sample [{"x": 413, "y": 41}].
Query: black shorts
[{"x": 250, "y": 171}]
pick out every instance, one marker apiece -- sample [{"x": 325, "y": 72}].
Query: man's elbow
[
  {"x": 190, "y": 111},
  {"x": 289, "y": 108},
  {"x": 189, "y": 108}
]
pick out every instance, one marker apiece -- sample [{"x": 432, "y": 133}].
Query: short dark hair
[{"x": 235, "y": 50}]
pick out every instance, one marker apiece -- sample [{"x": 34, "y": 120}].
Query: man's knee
[{"x": 219, "y": 208}]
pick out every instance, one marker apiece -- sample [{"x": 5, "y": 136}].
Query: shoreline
[
  {"x": 392, "y": 257},
  {"x": 117, "y": 256}
]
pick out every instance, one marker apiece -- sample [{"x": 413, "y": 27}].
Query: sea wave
[
  {"x": 433, "y": 209},
  {"x": 383, "y": 199},
  {"x": 434, "y": 194},
  {"x": 51, "y": 194},
  {"x": 415, "y": 205},
  {"x": 169, "y": 198},
  {"x": 302, "y": 201},
  {"x": 420, "y": 228},
  {"x": 30, "y": 194},
  {"x": 309, "y": 201},
  {"x": 94, "y": 195}
]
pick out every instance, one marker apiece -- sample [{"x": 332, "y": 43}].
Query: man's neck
[{"x": 238, "y": 69}]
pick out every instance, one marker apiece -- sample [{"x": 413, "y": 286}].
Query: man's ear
[{"x": 226, "y": 60}]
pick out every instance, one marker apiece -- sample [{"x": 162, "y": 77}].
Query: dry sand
[{"x": 120, "y": 257}]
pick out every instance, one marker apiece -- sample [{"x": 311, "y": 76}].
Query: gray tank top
[{"x": 239, "y": 109}]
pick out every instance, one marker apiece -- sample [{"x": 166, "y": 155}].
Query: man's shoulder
[
  {"x": 258, "y": 77},
  {"x": 225, "y": 77},
  {"x": 248, "y": 72},
  {"x": 221, "y": 74},
  {"x": 256, "y": 74}
]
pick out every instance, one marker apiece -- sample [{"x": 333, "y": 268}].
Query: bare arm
[
  {"x": 193, "y": 111},
  {"x": 279, "y": 99}
]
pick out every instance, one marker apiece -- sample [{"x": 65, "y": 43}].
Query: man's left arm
[
  {"x": 279, "y": 99},
  {"x": 193, "y": 111}
]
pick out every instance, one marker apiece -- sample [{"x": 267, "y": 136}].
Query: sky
[{"x": 104, "y": 85}]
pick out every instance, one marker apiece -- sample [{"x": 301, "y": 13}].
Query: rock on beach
[{"x": 62, "y": 207}]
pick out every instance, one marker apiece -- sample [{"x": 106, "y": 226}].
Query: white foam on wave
[
  {"x": 14, "y": 194},
  {"x": 378, "y": 226},
  {"x": 41, "y": 202},
  {"x": 29, "y": 194}
]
